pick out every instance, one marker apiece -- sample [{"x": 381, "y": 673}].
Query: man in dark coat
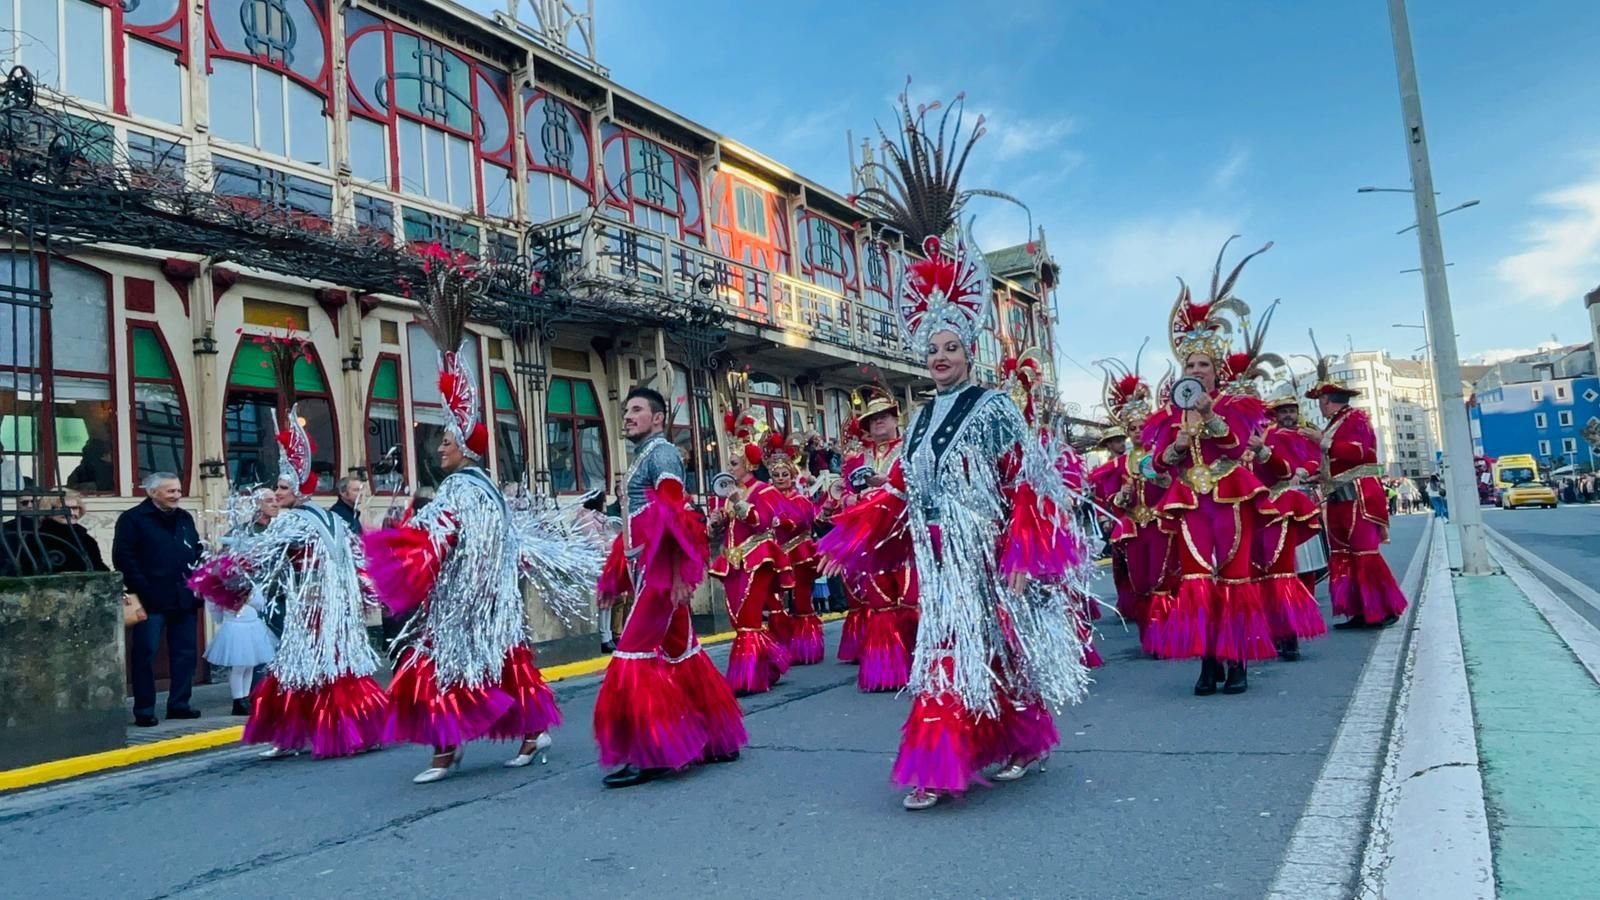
[
  {"x": 349, "y": 504},
  {"x": 155, "y": 547}
]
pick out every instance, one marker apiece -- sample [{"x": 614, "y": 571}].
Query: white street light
[{"x": 1467, "y": 205}]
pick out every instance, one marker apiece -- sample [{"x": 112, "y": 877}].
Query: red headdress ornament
[
  {"x": 1021, "y": 375},
  {"x": 1126, "y": 394},
  {"x": 939, "y": 294},
  {"x": 453, "y": 282}
]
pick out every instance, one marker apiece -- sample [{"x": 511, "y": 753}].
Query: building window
[
  {"x": 835, "y": 412},
  {"x": 64, "y": 43},
  {"x": 423, "y": 227},
  {"x": 1540, "y": 420},
  {"x": 510, "y": 441},
  {"x": 302, "y": 201},
  {"x": 76, "y": 397},
  {"x": 428, "y": 414},
  {"x": 250, "y": 424},
  {"x": 160, "y": 432},
  {"x": 560, "y": 157},
  {"x": 1564, "y": 419},
  {"x": 766, "y": 400},
  {"x": 827, "y": 254},
  {"x": 160, "y": 160},
  {"x": 879, "y": 278},
  {"x": 269, "y": 80},
  {"x": 651, "y": 186},
  {"x": 1538, "y": 394},
  {"x": 1561, "y": 392},
  {"x": 1569, "y": 445},
  {"x": 375, "y": 217},
  {"x": 575, "y": 436},
  {"x": 156, "y": 52},
  {"x": 1544, "y": 449},
  {"x": 386, "y": 437}
]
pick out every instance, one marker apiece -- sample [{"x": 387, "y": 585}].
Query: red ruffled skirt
[
  {"x": 517, "y": 705},
  {"x": 756, "y": 661},
  {"x": 341, "y": 718},
  {"x": 807, "y": 646},
  {"x": 944, "y": 747},
  {"x": 885, "y": 658}
]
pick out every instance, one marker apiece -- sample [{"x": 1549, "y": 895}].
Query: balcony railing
[{"x": 747, "y": 292}]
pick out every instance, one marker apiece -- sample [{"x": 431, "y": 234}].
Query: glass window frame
[
  {"x": 403, "y": 440},
  {"x": 175, "y": 381},
  {"x": 577, "y": 423},
  {"x": 327, "y": 394}
]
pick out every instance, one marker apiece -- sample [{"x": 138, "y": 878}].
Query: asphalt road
[
  {"x": 1567, "y": 537},
  {"x": 1154, "y": 793}
]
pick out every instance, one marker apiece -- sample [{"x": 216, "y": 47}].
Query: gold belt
[
  {"x": 1369, "y": 470},
  {"x": 1203, "y": 478},
  {"x": 737, "y": 555},
  {"x": 1143, "y": 515},
  {"x": 789, "y": 547}
]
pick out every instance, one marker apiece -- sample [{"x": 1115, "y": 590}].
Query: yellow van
[{"x": 1517, "y": 483}]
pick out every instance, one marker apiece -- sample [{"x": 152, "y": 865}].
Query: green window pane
[
  {"x": 502, "y": 393},
  {"x": 558, "y": 399},
  {"x": 252, "y": 367},
  {"x": 386, "y": 381},
  {"x": 17, "y": 432},
  {"x": 587, "y": 404},
  {"x": 148, "y": 359}
]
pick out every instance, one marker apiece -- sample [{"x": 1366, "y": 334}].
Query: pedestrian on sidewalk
[
  {"x": 154, "y": 546},
  {"x": 1437, "y": 498}
]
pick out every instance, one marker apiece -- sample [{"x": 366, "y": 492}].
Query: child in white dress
[{"x": 243, "y": 641}]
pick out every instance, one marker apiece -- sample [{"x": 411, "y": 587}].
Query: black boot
[
  {"x": 628, "y": 776},
  {"x": 241, "y": 707},
  {"x": 1351, "y": 623},
  {"x": 1207, "y": 684},
  {"x": 1237, "y": 682},
  {"x": 1289, "y": 648}
]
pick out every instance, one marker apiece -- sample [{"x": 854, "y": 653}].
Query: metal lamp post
[{"x": 1446, "y": 358}]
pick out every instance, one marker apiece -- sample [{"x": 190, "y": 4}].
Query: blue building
[{"x": 1539, "y": 407}]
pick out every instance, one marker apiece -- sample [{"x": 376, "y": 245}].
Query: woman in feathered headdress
[
  {"x": 752, "y": 564},
  {"x": 980, "y": 506},
  {"x": 466, "y": 667},
  {"x": 319, "y": 693},
  {"x": 1217, "y": 612},
  {"x": 804, "y": 638}
]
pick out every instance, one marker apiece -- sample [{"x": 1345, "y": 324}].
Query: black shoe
[
  {"x": 628, "y": 776},
  {"x": 1207, "y": 684},
  {"x": 146, "y": 721},
  {"x": 241, "y": 707},
  {"x": 183, "y": 713},
  {"x": 1237, "y": 682},
  {"x": 608, "y": 647},
  {"x": 1289, "y": 648},
  {"x": 1350, "y": 624},
  {"x": 1388, "y": 620},
  {"x": 714, "y": 758}
]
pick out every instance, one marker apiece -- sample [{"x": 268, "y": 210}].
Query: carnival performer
[
  {"x": 795, "y": 522},
  {"x": 663, "y": 705},
  {"x": 319, "y": 692},
  {"x": 1286, "y": 461},
  {"x": 977, "y": 502},
  {"x": 1130, "y": 487},
  {"x": 1360, "y": 583},
  {"x": 886, "y": 629},
  {"x": 1214, "y": 502},
  {"x": 751, "y": 564},
  {"x": 466, "y": 664}
]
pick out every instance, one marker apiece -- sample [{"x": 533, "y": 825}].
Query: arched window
[
  {"x": 766, "y": 397},
  {"x": 835, "y": 412},
  {"x": 155, "y": 49},
  {"x": 55, "y": 367},
  {"x": 160, "y": 433},
  {"x": 510, "y": 439},
  {"x": 560, "y": 157},
  {"x": 575, "y": 437},
  {"x": 428, "y": 413},
  {"x": 878, "y": 276},
  {"x": 387, "y": 441},
  {"x": 651, "y": 186},
  {"x": 250, "y": 424},
  {"x": 426, "y": 121},
  {"x": 270, "y": 66},
  {"x": 827, "y": 254},
  {"x": 749, "y": 222}
]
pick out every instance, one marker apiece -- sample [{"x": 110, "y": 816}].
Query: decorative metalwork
[
  {"x": 554, "y": 135},
  {"x": 269, "y": 30}
]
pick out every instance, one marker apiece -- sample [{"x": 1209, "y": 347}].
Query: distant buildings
[
  {"x": 1398, "y": 395},
  {"x": 1541, "y": 404}
]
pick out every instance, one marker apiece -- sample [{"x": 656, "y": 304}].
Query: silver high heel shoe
[
  {"x": 436, "y": 773},
  {"x": 920, "y": 799},
  {"x": 1014, "y": 771},
  {"x": 277, "y": 753},
  {"x": 541, "y": 744}
]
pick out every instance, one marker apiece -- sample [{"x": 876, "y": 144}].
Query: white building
[{"x": 1398, "y": 395}]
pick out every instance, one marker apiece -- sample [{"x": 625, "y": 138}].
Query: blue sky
[{"x": 1142, "y": 134}]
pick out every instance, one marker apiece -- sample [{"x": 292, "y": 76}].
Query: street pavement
[
  {"x": 1564, "y": 537},
  {"x": 1154, "y": 793}
]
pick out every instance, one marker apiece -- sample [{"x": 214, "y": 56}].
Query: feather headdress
[
  {"x": 452, "y": 284},
  {"x": 1208, "y": 327}
]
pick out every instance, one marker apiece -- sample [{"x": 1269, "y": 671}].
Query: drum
[{"x": 1311, "y": 555}]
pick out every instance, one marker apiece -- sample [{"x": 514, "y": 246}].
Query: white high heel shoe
[
  {"x": 277, "y": 753},
  {"x": 920, "y": 799},
  {"x": 435, "y": 773},
  {"x": 540, "y": 745},
  {"x": 1013, "y": 772}
]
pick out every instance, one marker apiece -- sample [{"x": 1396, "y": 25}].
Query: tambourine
[
  {"x": 1186, "y": 392},
  {"x": 724, "y": 485},
  {"x": 861, "y": 478}
]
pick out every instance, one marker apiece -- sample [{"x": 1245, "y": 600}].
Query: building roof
[{"x": 1012, "y": 260}]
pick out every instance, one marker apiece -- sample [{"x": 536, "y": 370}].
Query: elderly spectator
[
  {"x": 348, "y": 506},
  {"x": 78, "y": 549},
  {"x": 155, "y": 547}
]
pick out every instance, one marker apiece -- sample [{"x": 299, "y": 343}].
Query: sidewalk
[{"x": 1530, "y": 666}]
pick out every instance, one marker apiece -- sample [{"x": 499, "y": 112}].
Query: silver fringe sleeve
[
  {"x": 1027, "y": 644},
  {"x": 561, "y": 556},
  {"x": 302, "y": 563}
]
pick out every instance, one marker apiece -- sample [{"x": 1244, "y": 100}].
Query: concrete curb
[
  {"x": 1324, "y": 857},
  {"x": 1430, "y": 828},
  {"x": 75, "y": 766}
]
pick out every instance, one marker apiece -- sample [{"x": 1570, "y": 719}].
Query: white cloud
[
  {"x": 1149, "y": 252},
  {"x": 1562, "y": 261},
  {"x": 1012, "y": 137},
  {"x": 1501, "y": 354},
  {"x": 1230, "y": 170}
]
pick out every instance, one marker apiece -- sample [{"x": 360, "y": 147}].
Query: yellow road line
[{"x": 74, "y": 766}]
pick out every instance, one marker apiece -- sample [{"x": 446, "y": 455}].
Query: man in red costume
[
  {"x": 1360, "y": 583},
  {"x": 752, "y": 565},
  {"x": 1285, "y": 461},
  {"x": 663, "y": 704},
  {"x": 887, "y": 632}
]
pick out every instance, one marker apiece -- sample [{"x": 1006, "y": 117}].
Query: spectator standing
[
  {"x": 155, "y": 546},
  {"x": 348, "y": 506},
  {"x": 1441, "y": 509}
]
